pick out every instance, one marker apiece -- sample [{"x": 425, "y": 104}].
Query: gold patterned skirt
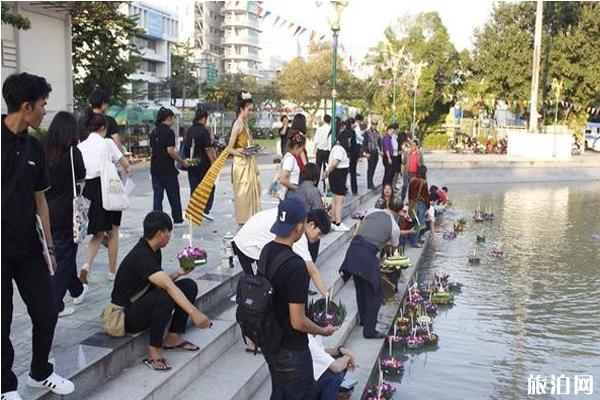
[{"x": 245, "y": 178}]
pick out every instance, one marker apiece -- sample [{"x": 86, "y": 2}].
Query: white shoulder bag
[
  {"x": 81, "y": 207},
  {"x": 114, "y": 197}
]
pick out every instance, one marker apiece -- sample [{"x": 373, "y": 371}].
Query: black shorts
[
  {"x": 337, "y": 181},
  {"x": 396, "y": 164}
]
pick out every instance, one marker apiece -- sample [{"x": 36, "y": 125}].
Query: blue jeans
[
  {"x": 421, "y": 211},
  {"x": 405, "y": 182},
  {"x": 170, "y": 183},
  {"x": 194, "y": 178},
  {"x": 65, "y": 277},
  {"x": 291, "y": 374},
  {"x": 328, "y": 385}
]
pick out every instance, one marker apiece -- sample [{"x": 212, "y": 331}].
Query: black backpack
[{"x": 255, "y": 312}]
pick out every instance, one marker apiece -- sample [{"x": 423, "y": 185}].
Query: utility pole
[{"x": 535, "y": 76}]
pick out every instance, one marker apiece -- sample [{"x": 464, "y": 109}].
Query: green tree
[
  {"x": 424, "y": 39},
  {"x": 307, "y": 82},
  {"x": 14, "y": 19},
  {"x": 503, "y": 53},
  {"x": 182, "y": 77},
  {"x": 104, "y": 52}
]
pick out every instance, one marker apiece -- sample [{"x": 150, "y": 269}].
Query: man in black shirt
[
  {"x": 291, "y": 365},
  {"x": 24, "y": 181},
  {"x": 162, "y": 164},
  {"x": 198, "y": 145},
  {"x": 165, "y": 297},
  {"x": 99, "y": 102}
]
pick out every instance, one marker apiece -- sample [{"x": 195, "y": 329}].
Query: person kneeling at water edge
[
  {"x": 289, "y": 359},
  {"x": 164, "y": 295},
  {"x": 378, "y": 228},
  {"x": 330, "y": 366}
]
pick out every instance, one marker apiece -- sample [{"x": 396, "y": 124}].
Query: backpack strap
[{"x": 270, "y": 270}]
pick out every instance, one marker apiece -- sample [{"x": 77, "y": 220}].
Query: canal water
[{"x": 535, "y": 312}]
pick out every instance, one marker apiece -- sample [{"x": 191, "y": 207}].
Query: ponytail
[
  {"x": 93, "y": 122},
  {"x": 163, "y": 114}
]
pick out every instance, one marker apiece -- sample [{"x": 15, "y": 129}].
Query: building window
[
  {"x": 151, "y": 67},
  {"x": 152, "y": 44}
]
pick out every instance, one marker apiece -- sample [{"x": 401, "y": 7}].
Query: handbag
[
  {"x": 81, "y": 206},
  {"x": 276, "y": 189},
  {"x": 114, "y": 197},
  {"x": 113, "y": 316}
]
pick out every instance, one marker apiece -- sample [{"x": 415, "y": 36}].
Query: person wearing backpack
[{"x": 272, "y": 307}]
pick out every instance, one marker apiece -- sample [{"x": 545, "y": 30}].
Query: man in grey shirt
[{"x": 378, "y": 228}]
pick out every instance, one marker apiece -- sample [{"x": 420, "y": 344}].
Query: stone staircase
[{"x": 107, "y": 368}]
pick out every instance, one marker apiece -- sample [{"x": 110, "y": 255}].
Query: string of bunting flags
[{"x": 281, "y": 22}]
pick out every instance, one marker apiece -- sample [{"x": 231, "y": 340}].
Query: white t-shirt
[
  {"x": 290, "y": 164},
  {"x": 256, "y": 233},
  {"x": 359, "y": 135},
  {"x": 430, "y": 214},
  {"x": 321, "y": 359},
  {"x": 339, "y": 153},
  {"x": 394, "y": 145},
  {"x": 93, "y": 149},
  {"x": 322, "y": 138}
]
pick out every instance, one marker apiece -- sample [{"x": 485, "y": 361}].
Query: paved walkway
[{"x": 84, "y": 322}]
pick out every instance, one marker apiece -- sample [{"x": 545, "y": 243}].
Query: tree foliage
[
  {"x": 228, "y": 86},
  {"x": 424, "y": 39},
  {"x": 104, "y": 52},
  {"x": 14, "y": 19},
  {"x": 307, "y": 82},
  {"x": 183, "y": 65},
  {"x": 502, "y": 57}
]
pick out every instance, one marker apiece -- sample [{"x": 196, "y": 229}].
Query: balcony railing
[
  {"x": 241, "y": 21},
  {"x": 241, "y": 40}
]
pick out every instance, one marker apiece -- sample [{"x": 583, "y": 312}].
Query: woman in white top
[
  {"x": 337, "y": 172},
  {"x": 101, "y": 221},
  {"x": 290, "y": 170}
]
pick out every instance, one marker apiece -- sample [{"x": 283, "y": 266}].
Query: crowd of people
[{"x": 41, "y": 181}]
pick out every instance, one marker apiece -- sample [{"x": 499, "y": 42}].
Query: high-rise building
[
  {"x": 208, "y": 39},
  {"x": 161, "y": 30},
  {"x": 241, "y": 40}
]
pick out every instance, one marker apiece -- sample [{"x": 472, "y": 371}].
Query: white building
[
  {"x": 241, "y": 41},
  {"x": 161, "y": 31},
  {"x": 208, "y": 37},
  {"x": 44, "y": 49}
]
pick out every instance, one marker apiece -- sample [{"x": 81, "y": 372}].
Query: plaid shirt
[{"x": 371, "y": 140}]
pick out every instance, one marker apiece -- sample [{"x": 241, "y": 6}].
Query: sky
[{"x": 363, "y": 23}]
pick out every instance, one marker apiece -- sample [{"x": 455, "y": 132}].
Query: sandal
[
  {"x": 157, "y": 364},
  {"x": 185, "y": 346}
]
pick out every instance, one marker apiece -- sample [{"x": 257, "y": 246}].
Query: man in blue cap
[{"x": 290, "y": 365}]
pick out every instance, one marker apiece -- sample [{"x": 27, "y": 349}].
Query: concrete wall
[
  {"x": 44, "y": 49},
  {"x": 540, "y": 146}
]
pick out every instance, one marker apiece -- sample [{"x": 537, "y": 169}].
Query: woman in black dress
[
  {"x": 101, "y": 221},
  {"x": 283, "y": 131}
]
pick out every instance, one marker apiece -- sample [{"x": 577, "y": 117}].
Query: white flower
[{"x": 246, "y": 96}]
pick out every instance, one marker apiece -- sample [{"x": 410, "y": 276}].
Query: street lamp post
[{"x": 338, "y": 6}]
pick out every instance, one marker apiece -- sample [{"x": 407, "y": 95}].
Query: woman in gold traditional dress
[{"x": 244, "y": 174}]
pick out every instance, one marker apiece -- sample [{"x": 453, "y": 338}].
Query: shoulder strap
[
  {"x": 73, "y": 172},
  {"x": 139, "y": 294},
  {"x": 268, "y": 271},
  {"x": 20, "y": 165}
]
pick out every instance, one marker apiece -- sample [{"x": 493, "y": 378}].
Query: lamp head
[{"x": 338, "y": 6}]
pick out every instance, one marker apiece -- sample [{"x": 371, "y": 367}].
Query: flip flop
[
  {"x": 257, "y": 351},
  {"x": 185, "y": 346},
  {"x": 152, "y": 364}
]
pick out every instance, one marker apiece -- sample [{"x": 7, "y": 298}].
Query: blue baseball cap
[{"x": 290, "y": 213}]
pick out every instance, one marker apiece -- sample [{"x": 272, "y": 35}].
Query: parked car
[{"x": 592, "y": 141}]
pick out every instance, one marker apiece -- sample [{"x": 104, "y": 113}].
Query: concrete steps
[{"x": 99, "y": 360}]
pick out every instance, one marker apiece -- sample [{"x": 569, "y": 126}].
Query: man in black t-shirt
[
  {"x": 291, "y": 365},
  {"x": 198, "y": 145},
  {"x": 99, "y": 102},
  {"x": 24, "y": 181},
  {"x": 165, "y": 297}
]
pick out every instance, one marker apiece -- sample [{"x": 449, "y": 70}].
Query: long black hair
[
  {"x": 93, "y": 122},
  {"x": 163, "y": 113},
  {"x": 200, "y": 113},
  {"x": 299, "y": 123},
  {"x": 62, "y": 134}
]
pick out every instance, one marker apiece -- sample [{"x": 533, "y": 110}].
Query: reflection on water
[{"x": 534, "y": 312}]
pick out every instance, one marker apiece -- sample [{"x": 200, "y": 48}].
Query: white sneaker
[
  {"x": 207, "y": 217},
  {"x": 340, "y": 228},
  {"x": 66, "y": 312},
  {"x": 54, "y": 382},
  {"x": 14, "y": 395},
  {"x": 111, "y": 276},
  {"x": 79, "y": 299}
]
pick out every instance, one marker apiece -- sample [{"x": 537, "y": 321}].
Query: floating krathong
[
  {"x": 496, "y": 252},
  {"x": 442, "y": 298},
  {"x": 385, "y": 391},
  {"x": 454, "y": 286},
  {"x": 324, "y": 312},
  {"x": 413, "y": 341},
  {"x": 480, "y": 238},
  {"x": 430, "y": 338},
  {"x": 474, "y": 258},
  {"x": 449, "y": 235},
  {"x": 430, "y": 307},
  {"x": 392, "y": 366},
  {"x": 397, "y": 261}
]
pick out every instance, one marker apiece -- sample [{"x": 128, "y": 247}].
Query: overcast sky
[{"x": 364, "y": 21}]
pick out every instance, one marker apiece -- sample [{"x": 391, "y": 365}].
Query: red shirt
[
  {"x": 413, "y": 162},
  {"x": 442, "y": 196}
]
